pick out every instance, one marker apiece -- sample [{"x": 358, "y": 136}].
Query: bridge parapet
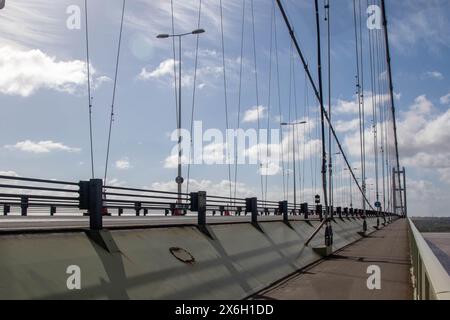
[{"x": 431, "y": 280}]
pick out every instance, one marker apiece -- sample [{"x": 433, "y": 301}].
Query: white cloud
[
  {"x": 165, "y": 68},
  {"x": 9, "y": 173},
  {"x": 433, "y": 75},
  {"x": 445, "y": 99},
  {"x": 343, "y": 106},
  {"x": 23, "y": 72},
  {"x": 165, "y": 72},
  {"x": 424, "y": 138},
  {"x": 253, "y": 114},
  {"x": 422, "y": 193},
  {"x": 171, "y": 162},
  {"x": 123, "y": 164},
  {"x": 114, "y": 182},
  {"x": 217, "y": 188},
  {"x": 270, "y": 169},
  {"x": 422, "y": 105},
  {"x": 41, "y": 147},
  {"x": 346, "y": 126},
  {"x": 421, "y": 130}
]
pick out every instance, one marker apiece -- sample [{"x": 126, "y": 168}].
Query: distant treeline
[{"x": 432, "y": 224}]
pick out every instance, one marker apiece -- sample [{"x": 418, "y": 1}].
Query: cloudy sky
[{"x": 44, "y": 103}]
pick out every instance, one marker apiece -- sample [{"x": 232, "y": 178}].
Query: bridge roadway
[
  {"x": 344, "y": 275},
  {"x": 35, "y": 223}
]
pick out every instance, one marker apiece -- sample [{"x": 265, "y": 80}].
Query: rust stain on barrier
[{"x": 182, "y": 255}]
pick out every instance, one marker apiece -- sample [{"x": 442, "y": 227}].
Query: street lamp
[
  {"x": 179, "y": 179},
  {"x": 293, "y": 152}
]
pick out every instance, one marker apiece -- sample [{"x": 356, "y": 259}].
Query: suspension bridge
[{"x": 137, "y": 242}]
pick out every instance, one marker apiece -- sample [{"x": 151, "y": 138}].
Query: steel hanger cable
[
  {"x": 225, "y": 99},
  {"x": 193, "y": 97},
  {"x": 88, "y": 62},
  {"x": 111, "y": 120}
]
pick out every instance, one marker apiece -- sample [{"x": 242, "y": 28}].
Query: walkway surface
[{"x": 344, "y": 275}]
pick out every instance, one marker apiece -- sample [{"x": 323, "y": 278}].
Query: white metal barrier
[{"x": 431, "y": 281}]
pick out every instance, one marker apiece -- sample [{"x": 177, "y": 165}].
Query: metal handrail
[{"x": 38, "y": 180}]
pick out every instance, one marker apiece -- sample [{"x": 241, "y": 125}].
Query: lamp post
[
  {"x": 179, "y": 179},
  {"x": 293, "y": 155}
]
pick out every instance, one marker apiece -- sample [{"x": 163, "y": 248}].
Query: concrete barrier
[
  {"x": 431, "y": 281},
  {"x": 233, "y": 262}
]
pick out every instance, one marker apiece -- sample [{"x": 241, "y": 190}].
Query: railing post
[
  {"x": 198, "y": 204},
  {"x": 91, "y": 198},
  {"x": 304, "y": 209},
  {"x": 137, "y": 207},
  {"x": 6, "y": 209},
  {"x": 251, "y": 205},
  {"x": 283, "y": 209},
  {"x": 96, "y": 204},
  {"x": 319, "y": 211},
  {"x": 24, "y": 205}
]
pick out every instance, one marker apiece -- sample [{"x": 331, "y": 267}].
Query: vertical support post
[
  {"x": 283, "y": 209},
  {"x": 6, "y": 209},
  {"x": 251, "y": 205},
  {"x": 24, "y": 205},
  {"x": 319, "y": 211},
  {"x": 198, "y": 204},
  {"x": 95, "y": 204},
  {"x": 304, "y": 210},
  {"x": 137, "y": 207}
]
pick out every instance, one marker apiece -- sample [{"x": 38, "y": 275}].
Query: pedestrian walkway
[{"x": 344, "y": 275}]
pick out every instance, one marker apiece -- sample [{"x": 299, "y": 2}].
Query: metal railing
[
  {"x": 92, "y": 198},
  {"x": 431, "y": 281}
]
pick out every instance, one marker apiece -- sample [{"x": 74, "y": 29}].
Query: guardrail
[
  {"x": 93, "y": 199},
  {"x": 431, "y": 281}
]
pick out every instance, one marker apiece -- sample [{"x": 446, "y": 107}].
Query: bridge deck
[{"x": 344, "y": 275}]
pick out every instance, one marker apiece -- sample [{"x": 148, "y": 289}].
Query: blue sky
[{"x": 43, "y": 99}]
